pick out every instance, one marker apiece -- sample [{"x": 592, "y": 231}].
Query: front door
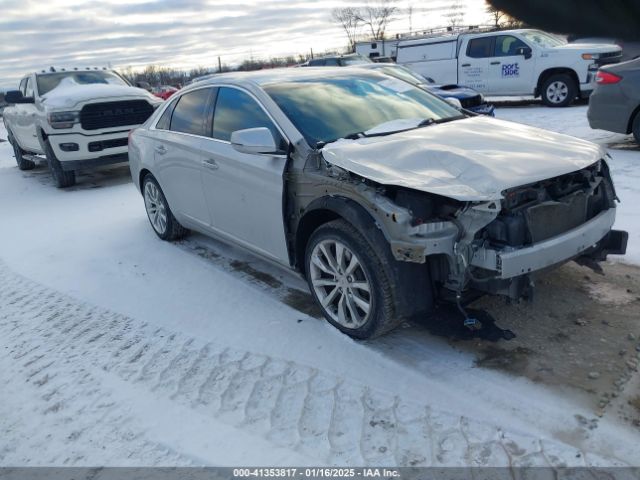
[
  {"x": 244, "y": 192},
  {"x": 26, "y": 119},
  {"x": 511, "y": 73}
]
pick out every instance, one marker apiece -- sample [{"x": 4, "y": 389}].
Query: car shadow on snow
[
  {"x": 581, "y": 330},
  {"x": 108, "y": 176}
]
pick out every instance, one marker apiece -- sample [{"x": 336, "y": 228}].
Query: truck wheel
[
  {"x": 559, "y": 91},
  {"x": 349, "y": 282},
  {"x": 636, "y": 128},
  {"x": 160, "y": 216},
  {"x": 18, "y": 153},
  {"x": 62, "y": 178}
]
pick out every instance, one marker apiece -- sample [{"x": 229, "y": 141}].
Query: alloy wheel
[
  {"x": 156, "y": 208},
  {"x": 557, "y": 92},
  {"x": 340, "y": 283}
]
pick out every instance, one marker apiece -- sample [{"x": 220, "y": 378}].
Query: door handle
[
  {"x": 161, "y": 149},
  {"x": 495, "y": 63},
  {"x": 465, "y": 65},
  {"x": 211, "y": 164}
]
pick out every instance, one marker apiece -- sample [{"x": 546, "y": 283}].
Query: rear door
[
  {"x": 178, "y": 157},
  {"x": 244, "y": 192},
  {"x": 511, "y": 73},
  {"x": 473, "y": 63}
]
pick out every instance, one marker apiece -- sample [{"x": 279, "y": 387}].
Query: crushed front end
[{"x": 536, "y": 227}]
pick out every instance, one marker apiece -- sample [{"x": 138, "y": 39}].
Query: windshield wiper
[{"x": 357, "y": 135}]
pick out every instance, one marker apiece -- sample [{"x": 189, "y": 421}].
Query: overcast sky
[{"x": 180, "y": 33}]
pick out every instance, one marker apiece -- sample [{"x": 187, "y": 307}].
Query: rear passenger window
[
  {"x": 480, "y": 48},
  {"x": 165, "y": 120},
  {"x": 23, "y": 83},
  {"x": 190, "y": 112},
  {"x": 237, "y": 110}
]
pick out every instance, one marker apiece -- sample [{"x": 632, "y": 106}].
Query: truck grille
[
  {"x": 609, "y": 58},
  {"x": 115, "y": 114}
]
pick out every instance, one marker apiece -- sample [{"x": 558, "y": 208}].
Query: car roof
[{"x": 265, "y": 77}]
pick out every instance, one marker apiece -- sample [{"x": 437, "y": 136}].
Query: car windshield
[
  {"x": 326, "y": 109},
  {"x": 543, "y": 39},
  {"x": 49, "y": 81}
]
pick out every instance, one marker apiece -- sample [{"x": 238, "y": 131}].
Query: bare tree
[
  {"x": 497, "y": 15},
  {"x": 455, "y": 15},
  {"x": 377, "y": 16},
  {"x": 349, "y": 19}
]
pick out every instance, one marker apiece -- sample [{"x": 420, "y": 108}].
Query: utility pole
[
  {"x": 312, "y": 54},
  {"x": 219, "y": 65}
]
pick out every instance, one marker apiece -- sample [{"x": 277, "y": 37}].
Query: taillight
[{"x": 607, "y": 78}]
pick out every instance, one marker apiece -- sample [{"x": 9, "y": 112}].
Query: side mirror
[
  {"x": 526, "y": 52},
  {"x": 254, "y": 141},
  {"x": 15, "y": 96},
  {"x": 454, "y": 102}
]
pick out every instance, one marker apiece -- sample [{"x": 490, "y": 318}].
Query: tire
[
  {"x": 62, "y": 178},
  {"x": 636, "y": 128},
  {"x": 559, "y": 91},
  {"x": 18, "y": 153},
  {"x": 359, "y": 312},
  {"x": 160, "y": 216}
]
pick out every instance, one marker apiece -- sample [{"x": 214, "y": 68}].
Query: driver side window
[
  {"x": 28, "y": 89},
  {"x": 507, "y": 46},
  {"x": 237, "y": 110}
]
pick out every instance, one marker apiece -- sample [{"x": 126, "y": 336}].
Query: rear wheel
[
  {"x": 559, "y": 91},
  {"x": 62, "y": 178},
  {"x": 160, "y": 216},
  {"x": 23, "y": 164},
  {"x": 349, "y": 282}
]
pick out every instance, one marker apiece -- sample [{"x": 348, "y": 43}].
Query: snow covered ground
[{"x": 119, "y": 349}]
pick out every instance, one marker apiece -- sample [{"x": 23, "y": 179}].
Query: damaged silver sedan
[{"x": 384, "y": 197}]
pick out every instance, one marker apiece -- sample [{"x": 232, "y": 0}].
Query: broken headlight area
[
  {"x": 547, "y": 209},
  {"x": 543, "y": 225}
]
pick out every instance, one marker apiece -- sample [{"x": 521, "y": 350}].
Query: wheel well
[
  {"x": 544, "y": 76},
  {"x": 632, "y": 119},
  {"x": 307, "y": 225},
  {"x": 143, "y": 173}
]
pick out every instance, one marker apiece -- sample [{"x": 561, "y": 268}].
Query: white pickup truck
[
  {"x": 74, "y": 119},
  {"x": 510, "y": 62}
]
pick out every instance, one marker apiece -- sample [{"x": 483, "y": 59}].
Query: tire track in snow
[{"x": 61, "y": 346}]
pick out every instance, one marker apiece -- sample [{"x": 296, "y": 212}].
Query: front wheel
[
  {"x": 62, "y": 178},
  {"x": 349, "y": 282},
  {"x": 559, "y": 91},
  {"x": 160, "y": 216}
]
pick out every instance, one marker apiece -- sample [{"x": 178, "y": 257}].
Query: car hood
[
  {"x": 587, "y": 48},
  {"x": 69, "y": 96},
  {"x": 454, "y": 91},
  {"x": 474, "y": 159}
]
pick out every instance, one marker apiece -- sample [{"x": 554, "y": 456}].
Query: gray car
[
  {"x": 615, "y": 103},
  {"x": 384, "y": 197}
]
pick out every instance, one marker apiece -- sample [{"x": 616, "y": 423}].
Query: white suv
[{"x": 76, "y": 118}]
